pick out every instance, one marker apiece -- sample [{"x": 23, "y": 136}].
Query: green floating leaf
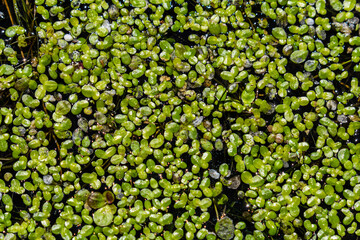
[
  {"x": 310, "y": 65},
  {"x": 257, "y": 181},
  {"x": 96, "y": 200},
  {"x": 336, "y": 5},
  {"x": 104, "y": 216},
  {"x": 299, "y": 56},
  {"x": 224, "y": 228},
  {"x": 3, "y": 145},
  {"x": 343, "y": 155},
  {"x": 223, "y": 199},
  {"x": 138, "y": 3},
  {"x": 349, "y": 5},
  {"x": 223, "y": 169},
  {"x": 149, "y": 130},
  {"x": 63, "y": 107},
  {"x": 279, "y": 33},
  {"x": 248, "y": 97},
  {"x": 7, "y": 69},
  {"x": 246, "y": 177}
]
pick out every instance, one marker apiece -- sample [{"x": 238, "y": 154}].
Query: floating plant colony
[{"x": 174, "y": 119}]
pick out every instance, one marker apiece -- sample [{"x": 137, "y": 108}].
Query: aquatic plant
[{"x": 209, "y": 119}]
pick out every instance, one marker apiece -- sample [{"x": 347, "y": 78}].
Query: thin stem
[
  {"x": 7, "y": 167},
  {"x": 344, "y": 85},
  {"x": 22, "y": 54},
  {"x": 44, "y": 107},
  {"x": 252, "y": 25},
  {"x": 33, "y": 24},
  {"x": 7, "y": 159},
  {"x": 89, "y": 163},
  {"x": 57, "y": 144},
  {"x": 8, "y": 9},
  {"x": 107, "y": 163},
  {"x": 224, "y": 212},
  {"x": 22, "y": 64},
  {"x": 216, "y": 211},
  {"x": 17, "y": 12},
  {"x": 226, "y": 91},
  {"x": 18, "y": 16},
  {"x": 346, "y": 62},
  {"x": 24, "y": 38}
]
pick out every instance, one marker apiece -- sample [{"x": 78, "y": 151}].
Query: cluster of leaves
[{"x": 160, "y": 119}]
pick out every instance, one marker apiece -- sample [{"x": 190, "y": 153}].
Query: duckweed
[{"x": 179, "y": 119}]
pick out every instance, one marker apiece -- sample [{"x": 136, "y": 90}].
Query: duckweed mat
[{"x": 173, "y": 119}]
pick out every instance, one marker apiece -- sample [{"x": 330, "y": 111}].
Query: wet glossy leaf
[
  {"x": 299, "y": 56},
  {"x": 279, "y": 33},
  {"x": 310, "y": 65},
  {"x": 349, "y": 5},
  {"x": 63, "y": 107},
  {"x": 96, "y": 200},
  {"x": 246, "y": 177},
  {"x": 103, "y": 216},
  {"x": 138, "y": 3}
]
